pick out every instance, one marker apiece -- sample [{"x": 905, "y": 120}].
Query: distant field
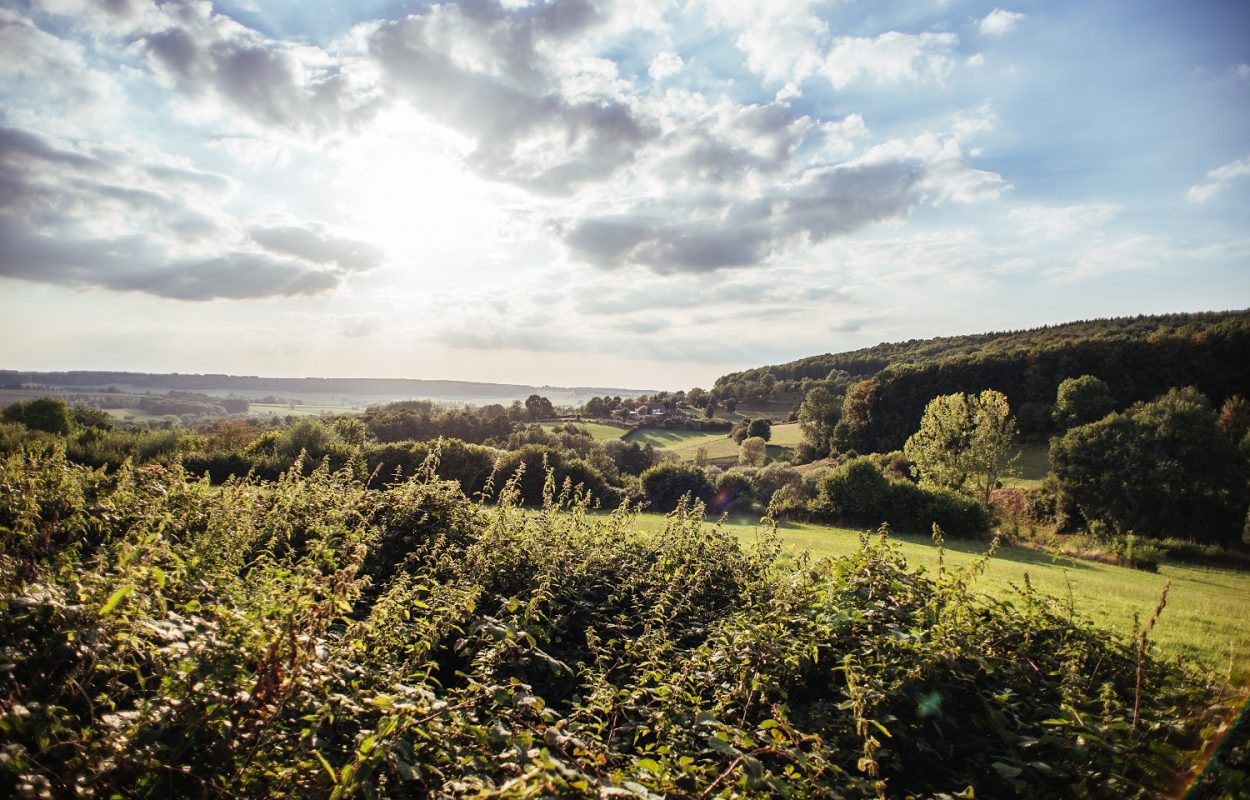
[
  {"x": 1207, "y": 618},
  {"x": 678, "y": 440},
  {"x": 598, "y": 431},
  {"x": 786, "y": 434},
  {"x": 1033, "y": 466},
  {"x": 285, "y": 410},
  {"x": 720, "y": 448},
  {"x": 775, "y": 411}
]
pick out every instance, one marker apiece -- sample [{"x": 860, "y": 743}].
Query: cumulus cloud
[
  {"x": 742, "y": 209},
  {"x": 312, "y": 243},
  {"x": 494, "y": 75},
  {"x": 212, "y": 59},
  {"x": 782, "y": 39},
  {"x": 665, "y": 65},
  {"x": 664, "y": 178},
  {"x": 999, "y": 22},
  {"x": 1218, "y": 180},
  {"x": 53, "y": 74},
  {"x": 737, "y": 233},
  {"x": 889, "y": 58},
  {"x": 86, "y": 215}
]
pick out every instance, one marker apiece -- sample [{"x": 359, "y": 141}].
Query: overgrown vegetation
[{"x": 161, "y": 635}]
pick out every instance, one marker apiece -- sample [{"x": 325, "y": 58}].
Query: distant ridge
[
  {"x": 888, "y": 385},
  {"x": 376, "y": 387},
  {"x": 868, "y": 361}
]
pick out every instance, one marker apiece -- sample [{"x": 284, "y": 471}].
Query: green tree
[
  {"x": 762, "y": 428},
  {"x": 818, "y": 416},
  {"x": 1081, "y": 401},
  {"x": 1161, "y": 468},
  {"x": 665, "y": 484},
  {"x": 964, "y": 443},
  {"x": 41, "y": 414},
  {"x": 1234, "y": 419},
  {"x": 753, "y": 451},
  {"x": 539, "y": 407}
]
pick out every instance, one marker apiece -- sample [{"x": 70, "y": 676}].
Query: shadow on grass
[{"x": 656, "y": 436}]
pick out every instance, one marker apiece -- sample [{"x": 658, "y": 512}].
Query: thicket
[
  {"x": 1161, "y": 468},
  {"x": 309, "y": 637},
  {"x": 858, "y": 492}
]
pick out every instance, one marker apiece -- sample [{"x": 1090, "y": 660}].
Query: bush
[
  {"x": 857, "y": 492},
  {"x": 734, "y": 492},
  {"x": 537, "y": 461},
  {"x": 308, "y": 638},
  {"x": 664, "y": 485}
]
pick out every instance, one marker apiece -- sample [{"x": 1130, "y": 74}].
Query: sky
[{"x": 579, "y": 192}]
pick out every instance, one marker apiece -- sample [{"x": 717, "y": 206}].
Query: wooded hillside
[{"x": 1138, "y": 357}]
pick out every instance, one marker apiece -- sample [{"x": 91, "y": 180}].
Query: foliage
[
  {"x": 752, "y": 452},
  {"x": 1234, "y": 421},
  {"x": 1081, "y": 401},
  {"x": 469, "y": 465},
  {"x": 735, "y": 491},
  {"x": 47, "y": 414},
  {"x": 664, "y": 485},
  {"x": 1160, "y": 468},
  {"x": 422, "y": 420},
  {"x": 857, "y": 492},
  {"x": 539, "y": 407},
  {"x": 761, "y": 427},
  {"x": 819, "y": 414},
  {"x": 1138, "y": 357},
  {"x": 162, "y": 636},
  {"x": 964, "y": 443},
  {"x": 531, "y": 468}
]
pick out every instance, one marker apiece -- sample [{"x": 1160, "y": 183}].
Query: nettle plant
[{"x": 310, "y": 637}]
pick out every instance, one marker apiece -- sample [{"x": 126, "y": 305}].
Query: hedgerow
[{"x": 312, "y": 637}]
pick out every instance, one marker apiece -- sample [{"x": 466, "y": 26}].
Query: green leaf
[
  {"x": 326, "y": 766},
  {"x": 650, "y": 765},
  {"x": 116, "y": 598}
]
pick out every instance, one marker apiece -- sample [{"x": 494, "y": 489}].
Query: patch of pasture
[
  {"x": 599, "y": 431},
  {"x": 676, "y": 440}
]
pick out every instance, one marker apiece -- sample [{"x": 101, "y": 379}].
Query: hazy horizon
[{"x": 578, "y": 193}]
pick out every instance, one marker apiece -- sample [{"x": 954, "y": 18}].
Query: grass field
[
  {"x": 598, "y": 431},
  {"x": 720, "y": 448},
  {"x": 679, "y": 441},
  {"x": 1032, "y": 466},
  {"x": 786, "y": 434},
  {"x": 1207, "y": 618}
]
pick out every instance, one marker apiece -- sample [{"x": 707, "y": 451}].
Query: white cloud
[
  {"x": 665, "y": 65},
  {"x": 891, "y": 57},
  {"x": 1053, "y": 222},
  {"x": 89, "y": 215},
  {"x": 999, "y": 22},
  {"x": 1218, "y": 180},
  {"x": 782, "y": 39}
]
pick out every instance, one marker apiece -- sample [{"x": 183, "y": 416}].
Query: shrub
[
  {"x": 857, "y": 492},
  {"x": 307, "y": 637},
  {"x": 536, "y": 462},
  {"x": 664, "y": 485},
  {"x": 734, "y": 492}
]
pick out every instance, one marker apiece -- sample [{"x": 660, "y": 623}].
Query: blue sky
[{"x": 581, "y": 192}]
